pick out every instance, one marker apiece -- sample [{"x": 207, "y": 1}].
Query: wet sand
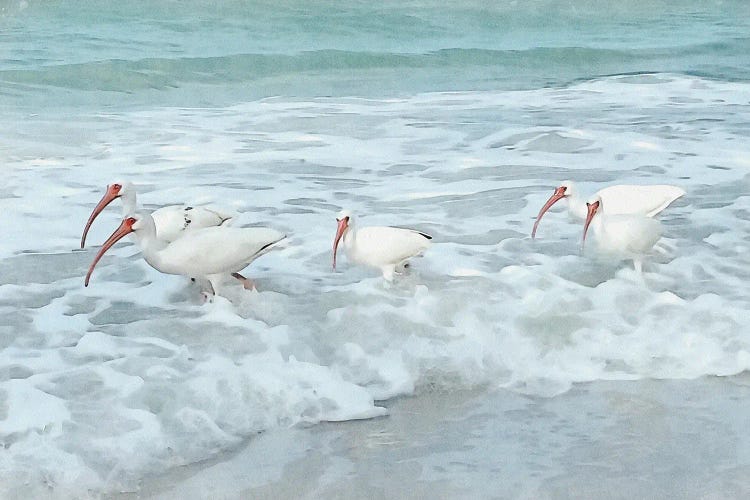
[{"x": 605, "y": 440}]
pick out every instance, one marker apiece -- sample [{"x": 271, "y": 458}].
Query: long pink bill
[
  {"x": 126, "y": 227},
  {"x": 558, "y": 195},
  {"x": 343, "y": 224},
  {"x": 110, "y": 194},
  {"x": 592, "y": 208}
]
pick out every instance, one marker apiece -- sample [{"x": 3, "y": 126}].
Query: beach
[
  {"x": 646, "y": 439},
  {"x": 495, "y": 366}
]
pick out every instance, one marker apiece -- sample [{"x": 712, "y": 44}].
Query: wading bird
[
  {"x": 386, "y": 248},
  {"x": 621, "y": 236},
  {"x": 646, "y": 200},
  {"x": 209, "y": 253},
  {"x": 171, "y": 222}
]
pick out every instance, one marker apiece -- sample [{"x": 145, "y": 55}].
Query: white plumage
[
  {"x": 647, "y": 200},
  {"x": 621, "y": 236},
  {"x": 209, "y": 253},
  {"x": 385, "y": 248},
  {"x": 171, "y": 222}
]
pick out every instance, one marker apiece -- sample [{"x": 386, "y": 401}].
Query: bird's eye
[
  {"x": 116, "y": 187},
  {"x": 338, "y": 220},
  {"x": 347, "y": 218},
  {"x": 130, "y": 221}
]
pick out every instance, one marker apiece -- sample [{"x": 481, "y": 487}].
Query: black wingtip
[
  {"x": 266, "y": 247},
  {"x": 425, "y": 235}
]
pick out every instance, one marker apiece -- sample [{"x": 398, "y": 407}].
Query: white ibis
[
  {"x": 377, "y": 246},
  {"x": 623, "y": 236},
  {"x": 171, "y": 222},
  {"x": 646, "y": 200},
  {"x": 208, "y": 253}
]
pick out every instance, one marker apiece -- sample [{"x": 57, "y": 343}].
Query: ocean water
[{"x": 457, "y": 120}]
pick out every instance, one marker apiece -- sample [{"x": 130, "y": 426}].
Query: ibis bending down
[
  {"x": 208, "y": 253},
  {"x": 622, "y": 236},
  {"x": 170, "y": 222},
  {"x": 385, "y": 248},
  {"x": 646, "y": 200}
]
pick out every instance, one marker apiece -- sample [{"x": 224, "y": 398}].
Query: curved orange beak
[
  {"x": 126, "y": 227},
  {"x": 112, "y": 192},
  {"x": 558, "y": 195},
  {"x": 343, "y": 224},
  {"x": 593, "y": 207}
]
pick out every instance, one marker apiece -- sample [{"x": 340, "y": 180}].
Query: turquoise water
[
  {"x": 200, "y": 53},
  {"x": 455, "y": 119}
]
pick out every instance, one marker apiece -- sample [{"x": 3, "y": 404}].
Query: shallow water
[
  {"x": 603, "y": 440},
  {"x": 134, "y": 376}
]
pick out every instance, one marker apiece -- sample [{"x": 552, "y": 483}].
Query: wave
[
  {"x": 448, "y": 68},
  {"x": 131, "y": 376}
]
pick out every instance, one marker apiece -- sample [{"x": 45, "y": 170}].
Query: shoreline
[{"x": 640, "y": 439}]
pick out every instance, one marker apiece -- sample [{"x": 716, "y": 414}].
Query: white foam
[
  {"x": 133, "y": 375},
  {"x": 28, "y": 408}
]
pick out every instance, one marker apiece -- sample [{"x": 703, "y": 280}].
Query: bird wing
[
  {"x": 633, "y": 234},
  {"x": 646, "y": 200},
  {"x": 390, "y": 244},
  {"x": 214, "y": 250},
  {"x": 173, "y": 221}
]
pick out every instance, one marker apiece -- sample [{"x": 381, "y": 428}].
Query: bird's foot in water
[
  {"x": 247, "y": 284},
  {"x": 208, "y": 293}
]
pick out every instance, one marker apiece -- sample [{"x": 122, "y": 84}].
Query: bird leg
[
  {"x": 246, "y": 283},
  {"x": 388, "y": 272},
  {"x": 638, "y": 266},
  {"x": 208, "y": 292},
  {"x": 215, "y": 282}
]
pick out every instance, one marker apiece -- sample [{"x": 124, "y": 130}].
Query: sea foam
[{"x": 134, "y": 375}]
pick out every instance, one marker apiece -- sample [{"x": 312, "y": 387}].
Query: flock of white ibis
[
  {"x": 621, "y": 216},
  {"x": 200, "y": 243}
]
